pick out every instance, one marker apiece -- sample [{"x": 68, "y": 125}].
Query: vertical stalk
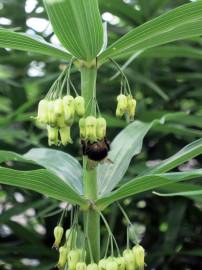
[{"x": 91, "y": 217}]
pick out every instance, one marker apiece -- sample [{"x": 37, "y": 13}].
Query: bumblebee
[{"x": 96, "y": 151}]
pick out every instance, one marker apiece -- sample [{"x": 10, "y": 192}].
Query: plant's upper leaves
[
  {"x": 78, "y": 25},
  {"x": 41, "y": 181},
  {"x": 180, "y": 23},
  {"x": 146, "y": 183},
  {"x": 61, "y": 164},
  {"x": 25, "y": 42}
]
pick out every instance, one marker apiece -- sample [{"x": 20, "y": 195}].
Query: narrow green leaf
[
  {"x": 146, "y": 183},
  {"x": 180, "y": 23},
  {"x": 61, "y": 164},
  {"x": 172, "y": 51},
  {"x": 188, "y": 152},
  {"x": 43, "y": 182},
  {"x": 25, "y": 42},
  {"x": 78, "y": 25}
]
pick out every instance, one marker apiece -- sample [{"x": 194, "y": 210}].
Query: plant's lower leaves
[
  {"x": 183, "y": 193},
  {"x": 146, "y": 183},
  {"x": 25, "y": 42},
  {"x": 67, "y": 168},
  {"x": 126, "y": 144},
  {"x": 61, "y": 164},
  {"x": 41, "y": 181}
]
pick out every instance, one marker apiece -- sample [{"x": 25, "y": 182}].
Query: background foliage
[{"x": 165, "y": 79}]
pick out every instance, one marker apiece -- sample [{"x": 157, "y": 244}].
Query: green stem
[{"x": 92, "y": 227}]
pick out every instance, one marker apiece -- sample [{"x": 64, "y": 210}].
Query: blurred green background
[{"x": 164, "y": 80}]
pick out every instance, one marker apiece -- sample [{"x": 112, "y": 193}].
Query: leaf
[
  {"x": 121, "y": 9},
  {"x": 125, "y": 145},
  {"x": 146, "y": 183},
  {"x": 61, "y": 164},
  {"x": 172, "y": 51},
  {"x": 180, "y": 23},
  {"x": 78, "y": 25},
  {"x": 30, "y": 43},
  {"x": 42, "y": 182},
  {"x": 188, "y": 152}
]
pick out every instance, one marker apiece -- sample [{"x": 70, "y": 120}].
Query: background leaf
[
  {"x": 145, "y": 183},
  {"x": 41, "y": 181},
  {"x": 77, "y": 24}
]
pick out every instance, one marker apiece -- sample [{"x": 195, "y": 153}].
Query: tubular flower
[
  {"x": 92, "y": 266},
  {"x": 69, "y": 109},
  {"x": 65, "y": 135},
  {"x": 73, "y": 258},
  {"x": 121, "y": 263},
  {"x": 121, "y": 105},
  {"x": 102, "y": 264},
  {"x": 63, "y": 251},
  {"x": 131, "y": 107},
  {"x": 81, "y": 266},
  {"x": 139, "y": 255},
  {"x": 129, "y": 259},
  {"x": 52, "y": 119},
  {"x": 58, "y": 107},
  {"x": 42, "y": 116},
  {"x": 111, "y": 265},
  {"x": 79, "y": 106},
  {"x": 52, "y": 135},
  {"x": 101, "y": 126},
  {"x": 91, "y": 128},
  {"x": 58, "y": 233}
]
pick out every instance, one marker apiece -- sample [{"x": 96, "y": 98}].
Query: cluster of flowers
[
  {"x": 132, "y": 259},
  {"x": 92, "y": 128},
  {"x": 126, "y": 105},
  {"x": 59, "y": 116}
]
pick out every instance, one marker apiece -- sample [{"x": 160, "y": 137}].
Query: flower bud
[
  {"x": 65, "y": 135},
  {"x": 81, "y": 266},
  {"x": 91, "y": 128},
  {"x": 122, "y": 102},
  {"x": 111, "y": 265},
  {"x": 92, "y": 266},
  {"x": 82, "y": 128},
  {"x": 52, "y": 135},
  {"x": 129, "y": 259},
  {"x": 102, "y": 264},
  {"x": 131, "y": 107},
  {"x": 58, "y": 107},
  {"x": 121, "y": 263},
  {"x": 79, "y": 106},
  {"x": 52, "y": 120},
  {"x": 62, "y": 257},
  {"x": 42, "y": 116},
  {"x": 69, "y": 109},
  {"x": 73, "y": 258},
  {"x": 58, "y": 233},
  {"x": 139, "y": 255},
  {"x": 101, "y": 126}
]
